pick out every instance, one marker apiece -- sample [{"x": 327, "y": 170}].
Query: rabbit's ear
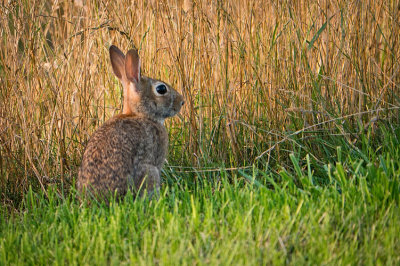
[
  {"x": 132, "y": 66},
  {"x": 117, "y": 61}
]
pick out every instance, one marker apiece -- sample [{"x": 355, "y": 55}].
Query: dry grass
[{"x": 252, "y": 72}]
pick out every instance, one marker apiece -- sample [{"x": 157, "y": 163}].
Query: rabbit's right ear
[
  {"x": 118, "y": 62},
  {"x": 132, "y": 66}
]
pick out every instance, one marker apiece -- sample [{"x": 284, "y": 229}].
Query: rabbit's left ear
[
  {"x": 118, "y": 62},
  {"x": 132, "y": 66}
]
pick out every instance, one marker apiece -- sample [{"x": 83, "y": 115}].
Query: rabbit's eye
[{"x": 161, "y": 89}]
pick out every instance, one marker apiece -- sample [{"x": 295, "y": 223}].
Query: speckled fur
[{"x": 128, "y": 151}]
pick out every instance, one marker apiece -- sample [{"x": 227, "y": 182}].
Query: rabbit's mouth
[
  {"x": 175, "y": 111},
  {"x": 171, "y": 113},
  {"x": 161, "y": 116},
  {"x": 177, "y": 107}
]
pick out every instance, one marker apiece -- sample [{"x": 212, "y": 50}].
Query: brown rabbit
[{"x": 128, "y": 151}]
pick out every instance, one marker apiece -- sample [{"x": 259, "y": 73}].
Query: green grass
[{"x": 249, "y": 217}]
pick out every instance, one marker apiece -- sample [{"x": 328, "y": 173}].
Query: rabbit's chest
[
  {"x": 158, "y": 146},
  {"x": 148, "y": 142}
]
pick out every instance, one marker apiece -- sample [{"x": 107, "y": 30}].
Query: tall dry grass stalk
[{"x": 251, "y": 71}]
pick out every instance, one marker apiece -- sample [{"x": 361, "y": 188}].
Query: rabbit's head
[{"x": 143, "y": 96}]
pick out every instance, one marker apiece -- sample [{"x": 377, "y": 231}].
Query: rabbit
[{"x": 128, "y": 151}]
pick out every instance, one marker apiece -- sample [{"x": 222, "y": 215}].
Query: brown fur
[{"x": 129, "y": 150}]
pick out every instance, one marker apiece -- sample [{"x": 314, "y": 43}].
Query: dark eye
[{"x": 161, "y": 89}]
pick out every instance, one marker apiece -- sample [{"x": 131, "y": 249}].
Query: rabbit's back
[{"x": 115, "y": 151}]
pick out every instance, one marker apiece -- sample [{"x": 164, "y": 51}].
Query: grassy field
[
  {"x": 287, "y": 151},
  {"x": 354, "y": 219}
]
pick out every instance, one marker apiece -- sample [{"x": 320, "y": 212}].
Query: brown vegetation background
[{"x": 253, "y": 73}]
